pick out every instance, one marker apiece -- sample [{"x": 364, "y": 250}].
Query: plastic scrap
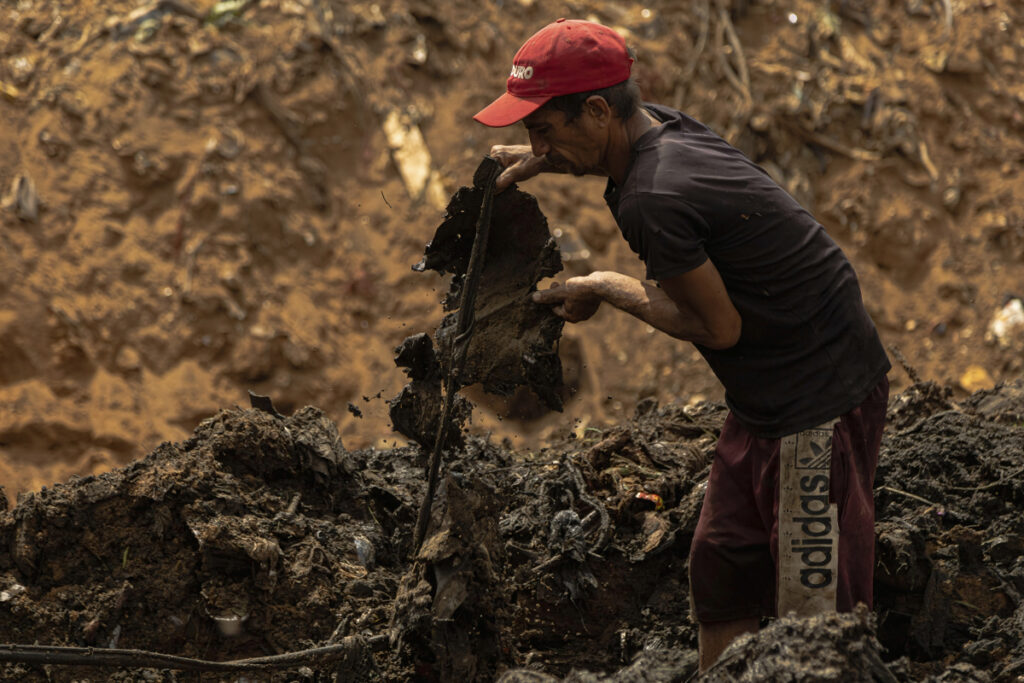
[
  {"x": 226, "y": 10},
  {"x": 1006, "y": 323},
  {"x": 659, "y": 504},
  {"x": 23, "y": 199}
]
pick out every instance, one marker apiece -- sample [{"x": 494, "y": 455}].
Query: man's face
[{"x": 573, "y": 147}]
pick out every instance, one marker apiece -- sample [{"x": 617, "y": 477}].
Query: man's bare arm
[{"x": 693, "y": 306}]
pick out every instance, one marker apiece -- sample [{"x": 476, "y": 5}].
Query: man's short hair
[{"x": 623, "y": 98}]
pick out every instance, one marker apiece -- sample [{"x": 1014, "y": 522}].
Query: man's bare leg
[{"x": 715, "y": 636}]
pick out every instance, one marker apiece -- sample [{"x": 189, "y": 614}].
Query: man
[{"x": 737, "y": 267}]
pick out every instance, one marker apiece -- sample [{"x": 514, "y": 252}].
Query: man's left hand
[{"x": 575, "y": 301}]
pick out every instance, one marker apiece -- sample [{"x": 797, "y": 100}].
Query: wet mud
[
  {"x": 263, "y": 535},
  {"x": 514, "y": 341}
]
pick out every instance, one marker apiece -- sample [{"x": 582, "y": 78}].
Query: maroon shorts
[{"x": 734, "y": 555}]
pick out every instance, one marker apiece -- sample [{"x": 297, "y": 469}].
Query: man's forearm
[
  {"x": 651, "y": 305},
  {"x": 693, "y": 306}
]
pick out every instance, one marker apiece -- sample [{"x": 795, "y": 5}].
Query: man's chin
[
  {"x": 572, "y": 169},
  {"x": 566, "y": 167}
]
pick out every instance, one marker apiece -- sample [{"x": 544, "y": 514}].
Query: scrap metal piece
[
  {"x": 22, "y": 198},
  {"x": 412, "y": 157}
]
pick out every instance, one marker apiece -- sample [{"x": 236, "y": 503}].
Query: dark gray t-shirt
[{"x": 808, "y": 351}]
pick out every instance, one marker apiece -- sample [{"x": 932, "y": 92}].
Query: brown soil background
[{"x": 219, "y": 210}]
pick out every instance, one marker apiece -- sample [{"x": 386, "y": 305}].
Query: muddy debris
[
  {"x": 263, "y": 535},
  {"x": 448, "y": 610},
  {"x": 950, "y": 539},
  {"x": 515, "y": 341},
  {"x": 416, "y": 410},
  {"x": 512, "y": 342},
  {"x": 833, "y": 647}
]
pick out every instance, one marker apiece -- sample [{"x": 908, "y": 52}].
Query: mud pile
[
  {"x": 203, "y": 197},
  {"x": 950, "y": 546},
  {"x": 263, "y": 535}
]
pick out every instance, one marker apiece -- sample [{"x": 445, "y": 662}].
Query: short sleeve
[{"x": 665, "y": 232}]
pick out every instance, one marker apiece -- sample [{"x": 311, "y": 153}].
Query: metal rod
[{"x": 460, "y": 343}]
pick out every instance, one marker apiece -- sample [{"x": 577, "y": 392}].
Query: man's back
[{"x": 808, "y": 350}]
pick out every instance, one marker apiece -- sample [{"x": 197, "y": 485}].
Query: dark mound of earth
[{"x": 262, "y": 535}]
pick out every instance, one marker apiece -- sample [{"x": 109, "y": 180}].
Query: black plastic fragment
[{"x": 263, "y": 403}]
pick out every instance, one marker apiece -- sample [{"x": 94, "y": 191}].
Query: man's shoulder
[
  {"x": 661, "y": 112},
  {"x": 679, "y": 121},
  {"x": 664, "y": 166}
]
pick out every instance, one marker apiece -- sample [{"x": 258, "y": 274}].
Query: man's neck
[{"x": 620, "y": 147}]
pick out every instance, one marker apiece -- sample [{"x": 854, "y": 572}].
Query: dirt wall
[{"x": 204, "y": 198}]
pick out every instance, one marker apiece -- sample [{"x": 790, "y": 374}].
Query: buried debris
[
  {"x": 497, "y": 247},
  {"x": 950, "y": 538},
  {"x": 416, "y": 411},
  {"x": 832, "y": 647},
  {"x": 449, "y": 604},
  {"x": 262, "y": 536},
  {"x": 484, "y": 179}
]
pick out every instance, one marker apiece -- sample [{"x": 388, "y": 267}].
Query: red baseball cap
[{"x": 565, "y": 57}]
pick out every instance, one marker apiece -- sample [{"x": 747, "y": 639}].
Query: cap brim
[{"x": 508, "y": 109}]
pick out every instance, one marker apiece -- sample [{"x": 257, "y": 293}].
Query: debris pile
[
  {"x": 833, "y": 647},
  {"x": 950, "y": 539},
  {"x": 263, "y": 535}
]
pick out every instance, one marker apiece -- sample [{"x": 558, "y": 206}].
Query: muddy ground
[
  {"x": 263, "y": 535},
  {"x": 201, "y": 198}
]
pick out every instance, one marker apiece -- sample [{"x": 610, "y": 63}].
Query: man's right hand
[{"x": 519, "y": 162}]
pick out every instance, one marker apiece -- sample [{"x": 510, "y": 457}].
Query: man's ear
[{"x": 599, "y": 108}]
